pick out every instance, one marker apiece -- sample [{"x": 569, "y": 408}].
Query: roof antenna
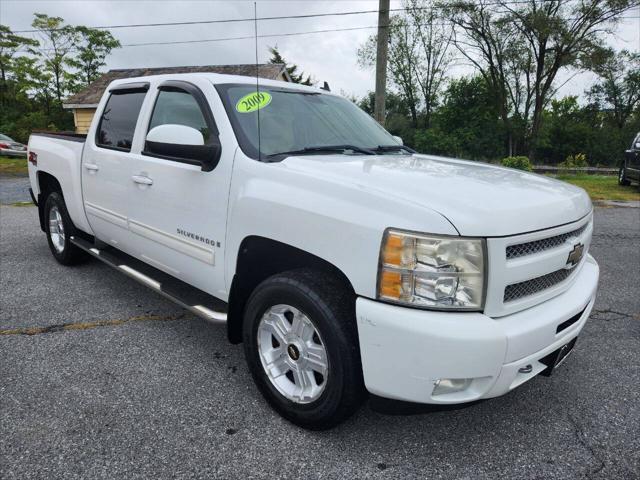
[{"x": 255, "y": 28}]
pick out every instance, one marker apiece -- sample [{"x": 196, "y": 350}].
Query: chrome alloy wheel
[
  {"x": 292, "y": 354},
  {"x": 56, "y": 229}
]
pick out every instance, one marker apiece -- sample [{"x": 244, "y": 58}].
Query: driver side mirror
[
  {"x": 398, "y": 139},
  {"x": 637, "y": 145},
  {"x": 182, "y": 144}
]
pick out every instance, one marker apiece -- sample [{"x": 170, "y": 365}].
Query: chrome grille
[
  {"x": 529, "y": 248},
  {"x": 529, "y": 287}
]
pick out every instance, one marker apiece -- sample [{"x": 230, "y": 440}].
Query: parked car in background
[
  {"x": 630, "y": 168},
  {"x": 10, "y": 148}
]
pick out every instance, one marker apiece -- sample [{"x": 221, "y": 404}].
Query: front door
[
  {"x": 177, "y": 211},
  {"x": 106, "y": 164}
]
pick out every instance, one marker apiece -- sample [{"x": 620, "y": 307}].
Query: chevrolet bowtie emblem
[{"x": 575, "y": 255}]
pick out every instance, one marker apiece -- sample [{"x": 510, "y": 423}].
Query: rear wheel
[
  {"x": 59, "y": 229},
  {"x": 622, "y": 177},
  {"x": 301, "y": 346}
]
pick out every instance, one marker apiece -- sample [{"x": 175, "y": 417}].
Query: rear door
[
  {"x": 106, "y": 163},
  {"x": 177, "y": 213}
]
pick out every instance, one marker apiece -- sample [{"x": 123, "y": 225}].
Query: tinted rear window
[{"x": 118, "y": 120}]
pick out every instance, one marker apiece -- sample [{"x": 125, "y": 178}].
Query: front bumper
[{"x": 405, "y": 351}]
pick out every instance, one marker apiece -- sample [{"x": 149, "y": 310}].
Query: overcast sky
[{"x": 327, "y": 56}]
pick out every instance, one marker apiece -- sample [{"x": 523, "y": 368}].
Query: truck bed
[{"x": 59, "y": 154}]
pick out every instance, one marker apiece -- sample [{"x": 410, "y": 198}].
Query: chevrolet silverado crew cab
[{"x": 345, "y": 262}]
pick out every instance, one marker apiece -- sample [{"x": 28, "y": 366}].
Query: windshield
[{"x": 294, "y": 120}]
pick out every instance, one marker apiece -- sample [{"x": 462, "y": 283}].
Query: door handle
[
  {"x": 91, "y": 167},
  {"x": 142, "y": 180}
]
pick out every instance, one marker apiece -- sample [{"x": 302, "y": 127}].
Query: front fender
[{"x": 332, "y": 220}]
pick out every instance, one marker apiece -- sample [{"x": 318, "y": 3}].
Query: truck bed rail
[{"x": 70, "y": 136}]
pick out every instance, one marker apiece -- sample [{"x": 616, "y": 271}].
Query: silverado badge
[{"x": 575, "y": 255}]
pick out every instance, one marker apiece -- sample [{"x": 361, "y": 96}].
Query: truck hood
[{"x": 478, "y": 199}]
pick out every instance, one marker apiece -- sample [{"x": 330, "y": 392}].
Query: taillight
[
  {"x": 4, "y": 145},
  {"x": 33, "y": 158}
]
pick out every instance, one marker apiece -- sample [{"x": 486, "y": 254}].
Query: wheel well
[
  {"x": 258, "y": 259},
  {"x": 47, "y": 183}
]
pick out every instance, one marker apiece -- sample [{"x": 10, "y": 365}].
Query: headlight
[{"x": 432, "y": 271}]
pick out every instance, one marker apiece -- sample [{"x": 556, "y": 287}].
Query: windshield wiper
[
  {"x": 393, "y": 148},
  {"x": 325, "y": 148}
]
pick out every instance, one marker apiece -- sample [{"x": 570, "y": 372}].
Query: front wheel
[
  {"x": 301, "y": 346},
  {"x": 59, "y": 229},
  {"x": 622, "y": 177}
]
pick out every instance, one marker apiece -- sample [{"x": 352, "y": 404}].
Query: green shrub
[
  {"x": 519, "y": 163},
  {"x": 579, "y": 160}
]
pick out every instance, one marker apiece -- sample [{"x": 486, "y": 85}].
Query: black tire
[
  {"x": 622, "y": 177},
  {"x": 69, "y": 253},
  {"x": 330, "y": 306}
]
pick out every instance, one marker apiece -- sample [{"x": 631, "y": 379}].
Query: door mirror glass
[
  {"x": 175, "y": 134},
  {"x": 398, "y": 139}
]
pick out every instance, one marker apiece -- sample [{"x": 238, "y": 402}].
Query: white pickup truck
[{"x": 343, "y": 260}]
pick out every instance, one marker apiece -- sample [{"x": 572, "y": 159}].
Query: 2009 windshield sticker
[{"x": 253, "y": 101}]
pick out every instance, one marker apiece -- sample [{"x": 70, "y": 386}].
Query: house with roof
[{"x": 84, "y": 103}]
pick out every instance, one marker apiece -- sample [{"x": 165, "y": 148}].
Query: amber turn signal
[{"x": 390, "y": 284}]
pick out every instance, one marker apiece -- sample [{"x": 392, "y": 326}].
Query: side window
[
  {"x": 179, "y": 108},
  {"x": 118, "y": 120}
]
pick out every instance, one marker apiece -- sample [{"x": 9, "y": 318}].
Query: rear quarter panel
[{"x": 61, "y": 159}]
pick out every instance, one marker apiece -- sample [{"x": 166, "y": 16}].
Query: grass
[
  {"x": 13, "y": 166},
  {"x": 602, "y": 187}
]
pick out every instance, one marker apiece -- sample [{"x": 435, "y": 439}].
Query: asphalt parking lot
[{"x": 101, "y": 378}]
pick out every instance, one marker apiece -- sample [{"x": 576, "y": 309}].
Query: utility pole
[{"x": 381, "y": 60}]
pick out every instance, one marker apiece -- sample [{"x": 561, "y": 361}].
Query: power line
[
  {"x": 281, "y": 17},
  {"x": 227, "y": 20},
  {"x": 246, "y": 37},
  {"x": 224, "y": 39},
  {"x": 290, "y": 34},
  {"x": 273, "y": 35}
]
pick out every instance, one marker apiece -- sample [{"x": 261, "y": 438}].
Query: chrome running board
[{"x": 196, "y": 301}]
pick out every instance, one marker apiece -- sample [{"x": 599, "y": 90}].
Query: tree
[
  {"x": 619, "y": 84},
  {"x": 542, "y": 37},
  {"x": 11, "y": 45},
  {"x": 434, "y": 56},
  {"x": 493, "y": 46},
  {"x": 35, "y": 75},
  {"x": 92, "y": 47},
  {"x": 292, "y": 68},
  {"x": 466, "y": 124},
  {"x": 58, "y": 41},
  {"x": 32, "y": 80},
  {"x": 419, "y": 56}
]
